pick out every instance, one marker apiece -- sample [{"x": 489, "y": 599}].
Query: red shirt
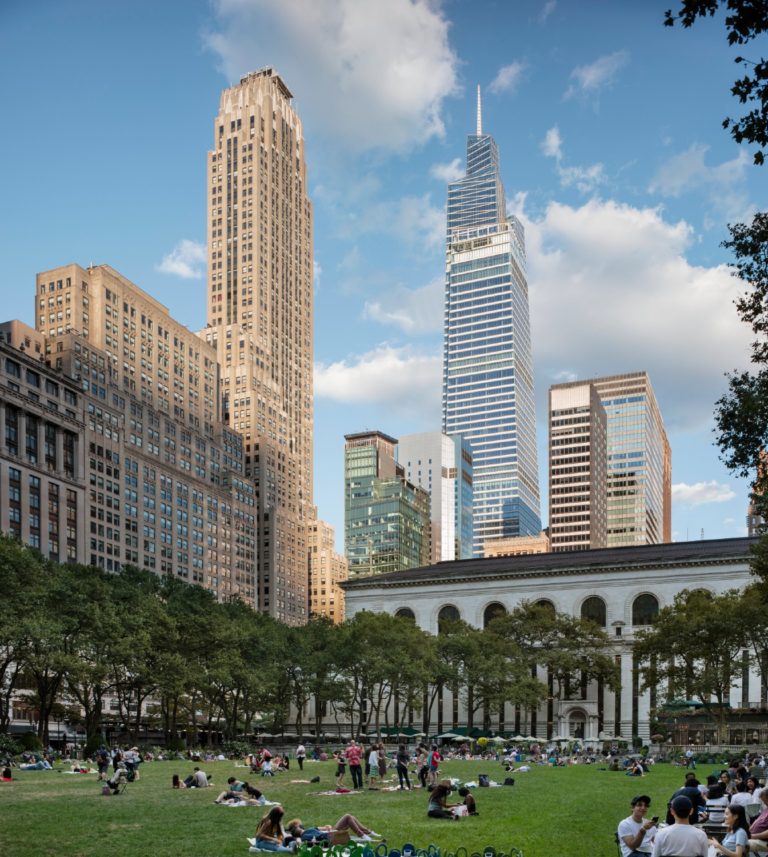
[{"x": 353, "y": 753}]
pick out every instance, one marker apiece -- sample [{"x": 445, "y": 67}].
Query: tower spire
[{"x": 479, "y": 113}]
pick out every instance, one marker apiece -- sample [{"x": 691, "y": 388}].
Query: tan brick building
[
  {"x": 327, "y": 570},
  {"x": 260, "y": 318}
]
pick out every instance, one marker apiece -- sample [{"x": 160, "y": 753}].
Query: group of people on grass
[
  {"x": 721, "y": 803},
  {"x": 272, "y": 835}
]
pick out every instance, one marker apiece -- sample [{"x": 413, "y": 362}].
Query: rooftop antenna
[{"x": 479, "y": 113}]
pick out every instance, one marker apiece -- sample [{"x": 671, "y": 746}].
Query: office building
[
  {"x": 260, "y": 318},
  {"x": 639, "y": 472},
  {"x": 165, "y": 482},
  {"x": 578, "y": 459},
  {"x": 637, "y": 478},
  {"x": 488, "y": 395},
  {"x": 442, "y": 466},
  {"x": 519, "y": 545},
  {"x": 42, "y": 450},
  {"x": 386, "y": 517},
  {"x": 327, "y": 571}
]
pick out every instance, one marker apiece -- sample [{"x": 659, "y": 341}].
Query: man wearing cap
[
  {"x": 635, "y": 833},
  {"x": 758, "y": 831},
  {"x": 681, "y": 839}
]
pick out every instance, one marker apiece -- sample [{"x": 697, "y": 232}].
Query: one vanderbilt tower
[
  {"x": 260, "y": 318},
  {"x": 487, "y": 365}
]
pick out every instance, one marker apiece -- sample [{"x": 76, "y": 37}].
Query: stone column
[
  {"x": 625, "y": 727},
  {"x": 41, "y": 442},
  {"x": 3, "y": 447},
  {"x": 59, "y": 449},
  {"x": 45, "y": 547},
  {"x": 22, "y": 435}
]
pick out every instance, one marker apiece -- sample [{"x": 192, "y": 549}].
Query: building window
[
  {"x": 594, "y": 610},
  {"x": 405, "y": 613},
  {"x": 644, "y": 609},
  {"x": 493, "y": 611}
]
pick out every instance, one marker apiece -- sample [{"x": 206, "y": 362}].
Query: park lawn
[{"x": 549, "y": 811}]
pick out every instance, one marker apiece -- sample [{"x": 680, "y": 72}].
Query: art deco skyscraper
[
  {"x": 260, "y": 318},
  {"x": 487, "y": 365}
]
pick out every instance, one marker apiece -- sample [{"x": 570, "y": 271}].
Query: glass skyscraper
[{"x": 487, "y": 366}]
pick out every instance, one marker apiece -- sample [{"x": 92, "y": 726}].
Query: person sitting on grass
[
  {"x": 270, "y": 833},
  {"x": 438, "y": 806},
  {"x": 469, "y": 801},
  {"x": 324, "y": 833}
]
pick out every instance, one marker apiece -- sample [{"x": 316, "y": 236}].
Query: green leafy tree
[
  {"x": 694, "y": 646},
  {"x": 745, "y": 20}
]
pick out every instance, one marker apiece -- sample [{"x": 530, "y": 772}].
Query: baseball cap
[
  {"x": 640, "y": 799},
  {"x": 682, "y": 806}
]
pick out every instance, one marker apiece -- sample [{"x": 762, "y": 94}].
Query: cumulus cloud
[
  {"x": 612, "y": 291},
  {"x": 412, "y": 310},
  {"x": 701, "y": 492},
  {"x": 724, "y": 184},
  {"x": 588, "y": 80},
  {"x": 507, "y": 78},
  {"x": 411, "y": 219},
  {"x": 187, "y": 260},
  {"x": 370, "y": 74},
  {"x": 584, "y": 179},
  {"x": 447, "y": 172},
  {"x": 398, "y": 377}
]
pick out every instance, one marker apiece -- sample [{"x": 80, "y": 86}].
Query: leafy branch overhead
[{"x": 745, "y": 20}]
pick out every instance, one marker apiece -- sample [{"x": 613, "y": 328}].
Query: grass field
[{"x": 547, "y": 813}]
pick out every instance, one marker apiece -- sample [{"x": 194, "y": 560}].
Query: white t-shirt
[
  {"x": 630, "y": 827},
  {"x": 373, "y": 760},
  {"x": 681, "y": 840},
  {"x": 716, "y": 809},
  {"x": 741, "y": 799}
]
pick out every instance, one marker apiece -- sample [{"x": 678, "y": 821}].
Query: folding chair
[{"x": 618, "y": 842}]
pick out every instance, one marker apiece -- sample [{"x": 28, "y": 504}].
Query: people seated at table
[
  {"x": 741, "y": 797},
  {"x": 690, "y": 790},
  {"x": 681, "y": 837},
  {"x": 636, "y": 833},
  {"x": 758, "y": 830},
  {"x": 717, "y": 801},
  {"x": 735, "y": 841}
]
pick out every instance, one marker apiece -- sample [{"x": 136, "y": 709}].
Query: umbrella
[
  {"x": 518, "y": 738},
  {"x": 530, "y": 738},
  {"x": 499, "y": 740}
]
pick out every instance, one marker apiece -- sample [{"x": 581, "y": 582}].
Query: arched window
[
  {"x": 405, "y": 613},
  {"x": 547, "y": 605},
  {"x": 593, "y": 608},
  {"x": 493, "y": 611},
  {"x": 644, "y": 609},
  {"x": 447, "y": 614}
]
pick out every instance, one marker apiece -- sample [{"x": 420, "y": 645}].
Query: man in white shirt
[
  {"x": 635, "y": 833},
  {"x": 681, "y": 839},
  {"x": 200, "y": 779}
]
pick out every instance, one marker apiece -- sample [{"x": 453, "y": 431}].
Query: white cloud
[
  {"x": 370, "y": 74},
  {"x": 701, "y": 492},
  {"x": 447, "y": 172},
  {"x": 400, "y": 378},
  {"x": 552, "y": 144},
  {"x": 507, "y": 78},
  {"x": 549, "y": 8},
  {"x": 317, "y": 272},
  {"x": 612, "y": 291},
  {"x": 724, "y": 184},
  {"x": 412, "y": 310},
  {"x": 589, "y": 79},
  {"x": 411, "y": 219},
  {"x": 188, "y": 260},
  {"x": 585, "y": 179}
]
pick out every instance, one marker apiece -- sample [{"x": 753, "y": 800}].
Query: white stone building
[{"x": 622, "y": 588}]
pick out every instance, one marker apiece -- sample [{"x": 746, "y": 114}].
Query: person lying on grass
[
  {"x": 247, "y": 794},
  {"x": 324, "y": 833}
]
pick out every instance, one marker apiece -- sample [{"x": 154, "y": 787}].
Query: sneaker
[
  {"x": 373, "y": 834},
  {"x": 364, "y": 838},
  {"x": 251, "y": 842}
]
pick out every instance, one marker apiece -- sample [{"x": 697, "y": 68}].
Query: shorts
[{"x": 341, "y": 770}]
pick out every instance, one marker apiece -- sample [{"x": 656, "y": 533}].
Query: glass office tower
[{"x": 487, "y": 364}]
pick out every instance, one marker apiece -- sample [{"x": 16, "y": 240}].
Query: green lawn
[{"x": 547, "y": 813}]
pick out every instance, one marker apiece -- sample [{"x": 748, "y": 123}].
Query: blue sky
[{"x": 612, "y": 154}]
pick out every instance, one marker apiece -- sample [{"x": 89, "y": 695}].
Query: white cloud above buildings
[
  {"x": 400, "y": 377},
  {"x": 187, "y": 260},
  {"x": 723, "y": 184},
  {"x": 584, "y": 179},
  {"x": 412, "y": 310},
  {"x": 701, "y": 492},
  {"x": 447, "y": 172},
  {"x": 548, "y": 8},
  {"x": 612, "y": 291},
  {"x": 507, "y": 78},
  {"x": 588, "y": 80},
  {"x": 372, "y": 75}
]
